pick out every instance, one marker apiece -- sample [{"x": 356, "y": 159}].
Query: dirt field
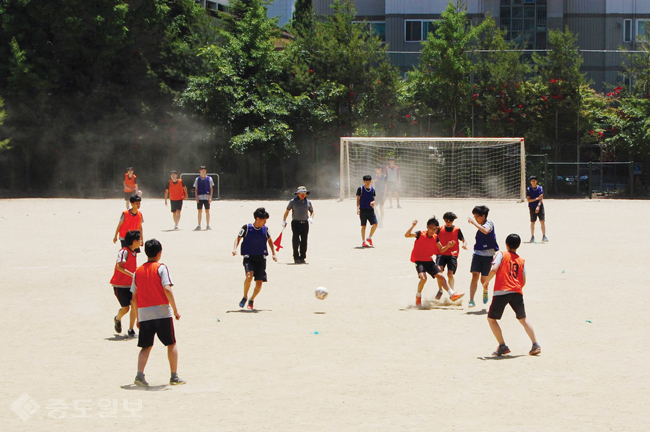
[{"x": 376, "y": 363}]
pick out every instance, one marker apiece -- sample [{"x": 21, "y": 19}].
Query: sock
[
  {"x": 370, "y": 238},
  {"x": 140, "y": 376},
  {"x": 418, "y": 294},
  {"x": 451, "y": 292},
  {"x": 174, "y": 375}
]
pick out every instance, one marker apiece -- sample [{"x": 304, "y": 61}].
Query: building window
[
  {"x": 642, "y": 30},
  {"x": 376, "y": 28},
  {"x": 418, "y": 30},
  {"x": 627, "y": 30},
  {"x": 525, "y": 22}
]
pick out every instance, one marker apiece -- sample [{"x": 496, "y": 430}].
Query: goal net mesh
[{"x": 438, "y": 167}]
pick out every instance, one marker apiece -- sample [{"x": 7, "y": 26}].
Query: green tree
[
  {"x": 303, "y": 16},
  {"x": 4, "y": 144}
]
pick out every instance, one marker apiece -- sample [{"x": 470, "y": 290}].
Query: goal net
[{"x": 438, "y": 167}]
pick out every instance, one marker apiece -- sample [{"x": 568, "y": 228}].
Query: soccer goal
[{"x": 439, "y": 167}]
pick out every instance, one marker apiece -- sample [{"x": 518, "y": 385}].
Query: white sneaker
[{"x": 175, "y": 227}]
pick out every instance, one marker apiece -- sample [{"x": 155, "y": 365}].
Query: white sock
[
  {"x": 451, "y": 292},
  {"x": 418, "y": 295}
]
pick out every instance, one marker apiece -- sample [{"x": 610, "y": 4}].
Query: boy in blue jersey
[
  {"x": 366, "y": 209},
  {"x": 203, "y": 188},
  {"x": 256, "y": 238},
  {"x": 484, "y": 249},
  {"x": 535, "y": 198}
]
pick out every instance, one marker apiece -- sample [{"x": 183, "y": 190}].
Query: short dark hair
[
  {"x": 449, "y": 216},
  {"x": 532, "y": 178},
  {"x": 481, "y": 210},
  {"x": 173, "y": 172},
  {"x": 152, "y": 248},
  {"x": 513, "y": 241},
  {"x": 261, "y": 213},
  {"x": 134, "y": 198},
  {"x": 367, "y": 177},
  {"x": 131, "y": 236},
  {"x": 433, "y": 221}
]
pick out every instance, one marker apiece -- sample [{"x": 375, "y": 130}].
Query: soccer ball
[
  {"x": 139, "y": 193},
  {"x": 321, "y": 293}
]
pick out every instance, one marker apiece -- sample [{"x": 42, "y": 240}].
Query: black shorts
[
  {"x": 203, "y": 203},
  {"x": 257, "y": 266},
  {"x": 177, "y": 205},
  {"x": 124, "y": 245},
  {"x": 426, "y": 267},
  {"x": 447, "y": 260},
  {"x": 367, "y": 215},
  {"x": 481, "y": 264},
  {"x": 499, "y": 302},
  {"x": 128, "y": 195},
  {"x": 124, "y": 295},
  {"x": 534, "y": 216},
  {"x": 163, "y": 327}
]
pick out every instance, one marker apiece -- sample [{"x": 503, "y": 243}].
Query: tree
[
  {"x": 303, "y": 16},
  {"x": 4, "y": 144}
]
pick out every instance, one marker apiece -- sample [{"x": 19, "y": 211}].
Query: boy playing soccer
[
  {"x": 426, "y": 245},
  {"x": 366, "y": 209},
  {"x": 256, "y": 237},
  {"x": 130, "y": 220},
  {"x": 484, "y": 249},
  {"x": 203, "y": 188},
  {"x": 176, "y": 192},
  {"x": 130, "y": 185},
  {"x": 511, "y": 278},
  {"x": 154, "y": 299},
  {"x": 122, "y": 278},
  {"x": 449, "y": 234},
  {"x": 535, "y": 197}
]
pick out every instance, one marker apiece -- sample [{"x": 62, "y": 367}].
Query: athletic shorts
[
  {"x": 534, "y": 216},
  {"x": 257, "y": 266},
  {"x": 367, "y": 215},
  {"x": 124, "y": 245},
  {"x": 427, "y": 267},
  {"x": 392, "y": 187},
  {"x": 128, "y": 195},
  {"x": 163, "y": 327},
  {"x": 203, "y": 203},
  {"x": 499, "y": 302},
  {"x": 447, "y": 260},
  {"x": 481, "y": 264},
  {"x": 124, "y": 295},
  {"x": 177, "y": 205}
]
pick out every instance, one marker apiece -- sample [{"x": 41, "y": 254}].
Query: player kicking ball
[
  {"x": 256, "y": 238},
  {"x": 425, "y": 247}
]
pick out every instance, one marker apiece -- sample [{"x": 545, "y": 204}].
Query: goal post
[{"x": 438, "y": 167}]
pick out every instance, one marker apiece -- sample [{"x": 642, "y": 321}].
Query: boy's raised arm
[{"x": 409, "y": 232}]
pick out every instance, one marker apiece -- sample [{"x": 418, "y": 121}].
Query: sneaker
[
  {"x": 365, "y": 244},
  {"x": 177, "y": 381},
  {"x": 532, "y": 239},
  {"x": 485, "y": 297},
  {"x": 399, "y": 206},
  {"x": 418, "y": 301},
  {"x": 242, "y": 303},
  {"x": 296, "y": 260},
  {"x": 175, "y": 227},
  {"x": 250, "y": 304},
  {"x": 132, "y": 333},
  {"x": 544, "y": 238},
  {"x": 503, "y": 349},
  {"x": 207, "y": 228},
  {"x": 471, "y": 303},
  {"x": 439, "y": 295},
  {"x": 141, "y": 382},
  {"x": 535, "y": 350},
  {"x": 369, "y": 240},
  {"x": 118, "y": 325},
  {"x": 198, "y": 228},
  {"x": 456, "y": 296}
]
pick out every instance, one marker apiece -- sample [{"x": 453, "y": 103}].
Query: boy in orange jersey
[
  {"x": 511, "y": 278},
  {"x": 154, "y": 300},
  {"x": 122, "y": 279},
  {"x": 130, "y": 185},
  {"x": 426, "y": 245},
  {"x": 449, "y": 234},
  {"x": 130, "y": 220},
  {"x": 176, "y": 191}
]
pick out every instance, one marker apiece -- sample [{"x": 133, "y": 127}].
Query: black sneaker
[
  {"x": 141, "y": 382},
  {"x": 503, "y": 349},
  {"x": 242, "y": 303},
  {"x": 132, "y": 333},
  {"x": 118, "y": 324},
  {"x": 535, "y": 350},
  {"x": 177, "y": 381},
  {"x": 250, "y": 304}
]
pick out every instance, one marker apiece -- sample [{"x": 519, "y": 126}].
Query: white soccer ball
[
  {"x": 139, "y": 193},
  {"x": 321, "y": 293}
]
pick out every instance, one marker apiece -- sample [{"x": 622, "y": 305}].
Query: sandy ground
[{"x": 376, "y": 362}]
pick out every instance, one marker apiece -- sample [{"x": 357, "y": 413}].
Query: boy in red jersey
[
  {"x": 426, "y": 245},
  {"x": 130, "y": 185},
  {"x": 176, "y": 191},
  {"x": 130, "y": 220},
  {"x": 449, "y": 234},
  {"x": 154, "y": 299},
  {"x": 122, "y": 279},
  {"x": 511, "y": 278}
]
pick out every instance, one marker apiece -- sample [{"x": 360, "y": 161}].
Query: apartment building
[
  {"x": 601, "y": 25},
  {"x": 280, "y": 9}
]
